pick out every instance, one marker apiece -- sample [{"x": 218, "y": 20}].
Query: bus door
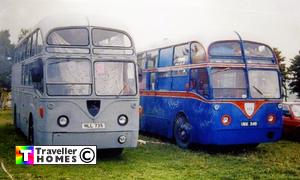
[
  {"x": 149, "y": 105},
  {"x": 163, "y": 103},
  {"x": 24, "y": 118}
]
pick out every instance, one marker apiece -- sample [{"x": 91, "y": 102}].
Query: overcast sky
[{"x": 153, "y": 22}]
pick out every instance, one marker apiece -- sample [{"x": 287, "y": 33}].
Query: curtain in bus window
[
  {"x": 199, "y": 81},
  {"x": 103, "y": 37},
  {"x": 198, "y": 53},
  {"x": 77, "y": 36},
  {"x": 228, "y": 83},
  {"x": 69, "y": 77},
  {"x": 225, "y": 49},
  {"x": 181, "y": 55},
  {"x": 69, "y": 71},
  {"x": 257, "y": 50},
  {"x": 141, "y": 60},
  {"x": 143, "y": 83},
  {"x": 152, "y": 58},
  {"x": 115, "y": 78}
]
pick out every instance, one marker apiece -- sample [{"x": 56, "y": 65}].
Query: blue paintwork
[{"x": 160, "y": 113}]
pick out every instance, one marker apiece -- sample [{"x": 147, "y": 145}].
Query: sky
[{"x": 156, "y": 22}]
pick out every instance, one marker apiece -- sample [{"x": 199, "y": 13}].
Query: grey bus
[{"x": 74, "y": 82}]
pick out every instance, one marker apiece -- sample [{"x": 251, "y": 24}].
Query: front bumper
[
  {"x": 102, "y": 140},
  {"x": 241, "y": 136}
]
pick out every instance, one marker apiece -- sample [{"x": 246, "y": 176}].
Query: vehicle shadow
[
  {"x": 210, "y": 149},
  {"x": 292, "y": 136}
]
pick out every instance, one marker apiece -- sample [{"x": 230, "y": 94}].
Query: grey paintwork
[{"x": 27, "y": 101}]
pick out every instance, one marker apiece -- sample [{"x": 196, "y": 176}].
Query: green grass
[{"x": 279, "y": 160}]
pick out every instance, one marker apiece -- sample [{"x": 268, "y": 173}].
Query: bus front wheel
[{"x": 182, "y": 132}]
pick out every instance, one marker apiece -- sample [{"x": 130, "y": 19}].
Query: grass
[{"x": 279, "y": 160}]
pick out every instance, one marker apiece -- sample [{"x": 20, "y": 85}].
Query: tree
[
  {"x": 6, "y": 53},
  {"x": 283, "y": 69},
  {"x": 23, "y": 33},
  {"x": 294, "y": 70}
]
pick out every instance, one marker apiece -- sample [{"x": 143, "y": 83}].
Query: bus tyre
[
  {"x": 30, "y": 137},
  {"x": 182, "y": 132}
]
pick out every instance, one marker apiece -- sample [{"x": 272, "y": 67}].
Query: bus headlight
[
  {"x": 122, "y": 120},
  {"x": 271, "y": 119},
  {"x": 62, "y": 121},
  {"x": 122, "y": 139},
  {"x": 279, "y": 106},
  {"x": 226, "y": 120}
]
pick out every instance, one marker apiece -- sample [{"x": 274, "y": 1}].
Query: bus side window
[
  {"x": 197, "y": 53},
  {"x": 24, "y": 44},
  {"x": 152, "y": 85},
  {"x": 25, "y": 75},
  {"x": 143, "y": 82},
  {"x": 152, "y": 59},
  {"x": 34, "y": 44},
  {"x": 141, "y": 60},
  {"x": 28, "y": 47},
  {"x": 37, "y": 75},
  {"x": 165, "y": 57},
  {"x": 39, "y": 42},
  {"x": 164, "y": 80},
  {"x": 181, "y": 55},
  {"x": 199, "y": 81}
]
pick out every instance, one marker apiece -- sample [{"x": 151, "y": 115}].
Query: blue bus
[{"x": 227, "y": 94}]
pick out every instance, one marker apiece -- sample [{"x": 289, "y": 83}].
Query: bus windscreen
[
  {"x": 264, "y": 84},
  {"x": 108, "y": 38},
  {"x": 69, "y": 37},
  {"x": 115, "y": 78},
  {"x": 69, "y": 77},
  {"x": 228, "y": 83}
]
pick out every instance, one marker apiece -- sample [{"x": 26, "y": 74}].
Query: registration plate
[
  {"x": 249, "y": 124},
  {"x": 93, "y": 125}
]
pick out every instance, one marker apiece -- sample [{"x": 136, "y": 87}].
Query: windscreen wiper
[
  {"x": 222, "y": 70},
  {"x": 259, "y": 91}
]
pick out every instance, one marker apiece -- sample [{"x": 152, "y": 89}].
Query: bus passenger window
[
  {"x": 34, "y": 43},
  {"x": 165, "y": 57},
  {"x": 37, "y": 75},
  {"x": 24, "y": 44},
  {"x": 26, "y": 75},
  {"x": 152, "y": 81},
  {"x": 28, "y": 48},
  {"x": 141, "y": 60},
  {"x": 198, "y": 53},
  {"x": 39, "y": 42},
  {"x": 152, "y": 59},
  {"x": 199, "y": 81},
  {"x": 181, "y": 55},
  {"x": 142, "y": 83}
]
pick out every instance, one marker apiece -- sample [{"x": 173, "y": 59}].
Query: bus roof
[{"x": 68, "y": 20}]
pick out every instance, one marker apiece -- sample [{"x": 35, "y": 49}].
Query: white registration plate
[
  {"x": 249, "y": 124},
  {"x": 93, "y": 125}
]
